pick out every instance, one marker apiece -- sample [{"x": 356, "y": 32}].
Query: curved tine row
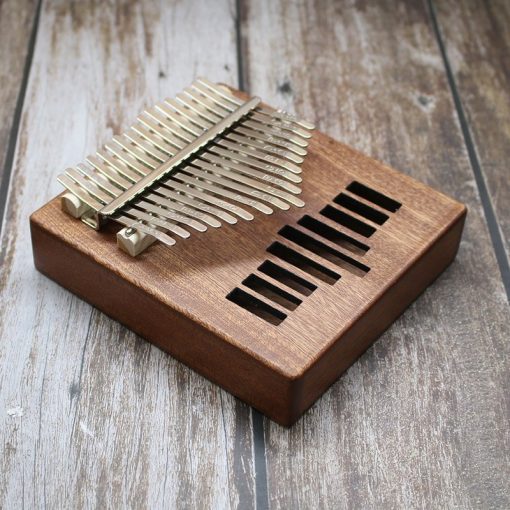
[{"x": 279, "y": 114}]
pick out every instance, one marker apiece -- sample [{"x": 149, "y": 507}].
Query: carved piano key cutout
[{"x": 190, "y": 163}]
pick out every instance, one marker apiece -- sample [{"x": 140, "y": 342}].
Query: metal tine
[
  {"x": 197, "y": 108},
  {"x": 128, "y": 159},
  {"x": 109, "y": 172},
  {"x": 155, "y": 220},
  {"x": 251, "y": 192},
  {"x": 282, "y": 172},
  {"x": 219, "y": 92},
  {"x": 99, "y": 180},
  {"x": 155, "y": 138},
  {"x": 82, "y": 194},
  {"x": 172, "y": 215},
  {"x": 196, "y": 204},
  {"x": 139, "y": 154},
  {"x": 253, "y": 124},
  {"x": 206, "y": 197},
  {"x": 146, "y": 229},
  {"x": 215, "y": 98},
  {"x": 180, "y": 120},
  {"x": 173, "y": 128},
  {"x": 278, "y": 142},
  {"x": 268, "y": 178},
  {"x": 147, "y": 145},
  {"x": 267, "y": 111},
  {"x": 223, "y": 192},
  {"x": 161, "y": 130},
  {"x": 119, "y": 165},
  {"x": 88, "y": 185},
  {"x": 271, "y": 149},
  {"x": 258, "y": 154},
  {"x": 184, "y": 209},
  {"x": 262, "y": 186},
  {"x": 187, "y": 112},
  {"x": 288, "y": 117},
  {"x": 202, "y": 99},
  {"x": 267, "y": 118}
]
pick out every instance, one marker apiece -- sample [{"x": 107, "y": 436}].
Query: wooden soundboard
[{"x": 272, "y": 310}]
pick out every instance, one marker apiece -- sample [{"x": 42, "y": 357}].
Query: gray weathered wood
[
  {"x": 421, "y": 421},
  {"x": 16, "y": 21},
  {"x": 477, "y": 41},
  {"x": 91, "y": 415}
]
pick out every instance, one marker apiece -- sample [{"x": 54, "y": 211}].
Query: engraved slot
[
  {"x": 348, "y": 221},
  {"x": 323, "y": 250},
  {"x": 333, "y": 235},
  {"x": 309, "y": 266},
  {"x": 374, "y": 196},
  {"x": 362, "y": 209},
  {"x": 256, "y": 306},
  {"x": 287, "y": 278},
  {"x": 272, "y": 292}
]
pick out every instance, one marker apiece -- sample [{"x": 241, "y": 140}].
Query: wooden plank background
[{"x": 93, "y": 416}]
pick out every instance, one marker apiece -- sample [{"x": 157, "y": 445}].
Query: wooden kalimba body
[{"x": 275, "y": 309}]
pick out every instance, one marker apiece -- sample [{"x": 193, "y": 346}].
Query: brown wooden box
[{"x": 328, "y": 308}]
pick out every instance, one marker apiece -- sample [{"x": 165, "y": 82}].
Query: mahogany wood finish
[{"x": 281, "y": 362}]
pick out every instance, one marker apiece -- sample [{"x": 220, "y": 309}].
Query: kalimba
[{"x": 275, "y": 309}]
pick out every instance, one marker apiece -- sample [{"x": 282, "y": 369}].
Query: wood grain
[
  {"x": 477, "y": 39},
  {"x": 16, "y": 21},
  {"x": 91, "y": 415},
  {"x": 422, "y": 419}
]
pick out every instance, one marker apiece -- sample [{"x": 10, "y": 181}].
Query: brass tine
[
  {"x": 147, "y": 145},
  {"x": 282, "y": 172},
  {"x": 168, "y": 124},
  {"x": 109, "y": 172},
  {"x": 258, "y": 154},
  {"x": 179, "y": 119},
  {"x": 155, "y": 138},
  {"x": 125, "y": 143},
  {"x": 223, "y": 192},
  {"x": 227, "y": 183},
  {"x": 253, "y": 172},
  {"x": 146, "y": 229},
  {"x": 253, "y": 183},
  {"x": 121, "y": 166},
  {"x": 269, "y": 139},
  {"x": 197, "y": 204},
  {"x": 184, "y": 209},
  {"x": 201, "y": 99},
  {"x": 156, "y": 220},
  {"x": 88, "y": 185},
  {"x": 265, "y": 147},
  {"x": 206, "y": 197},
  {"x": 202, "y": 112},
  {"x": 172, "y": 215},
  {"x": 189, "y": 114},
  {"x": 267, "y": 118},
  {"x": 161, "y": 130},
  {"x": 99, "y": 180},
  {"x": 81, "y": 193},
  {"x": 253, "y": 124}
]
